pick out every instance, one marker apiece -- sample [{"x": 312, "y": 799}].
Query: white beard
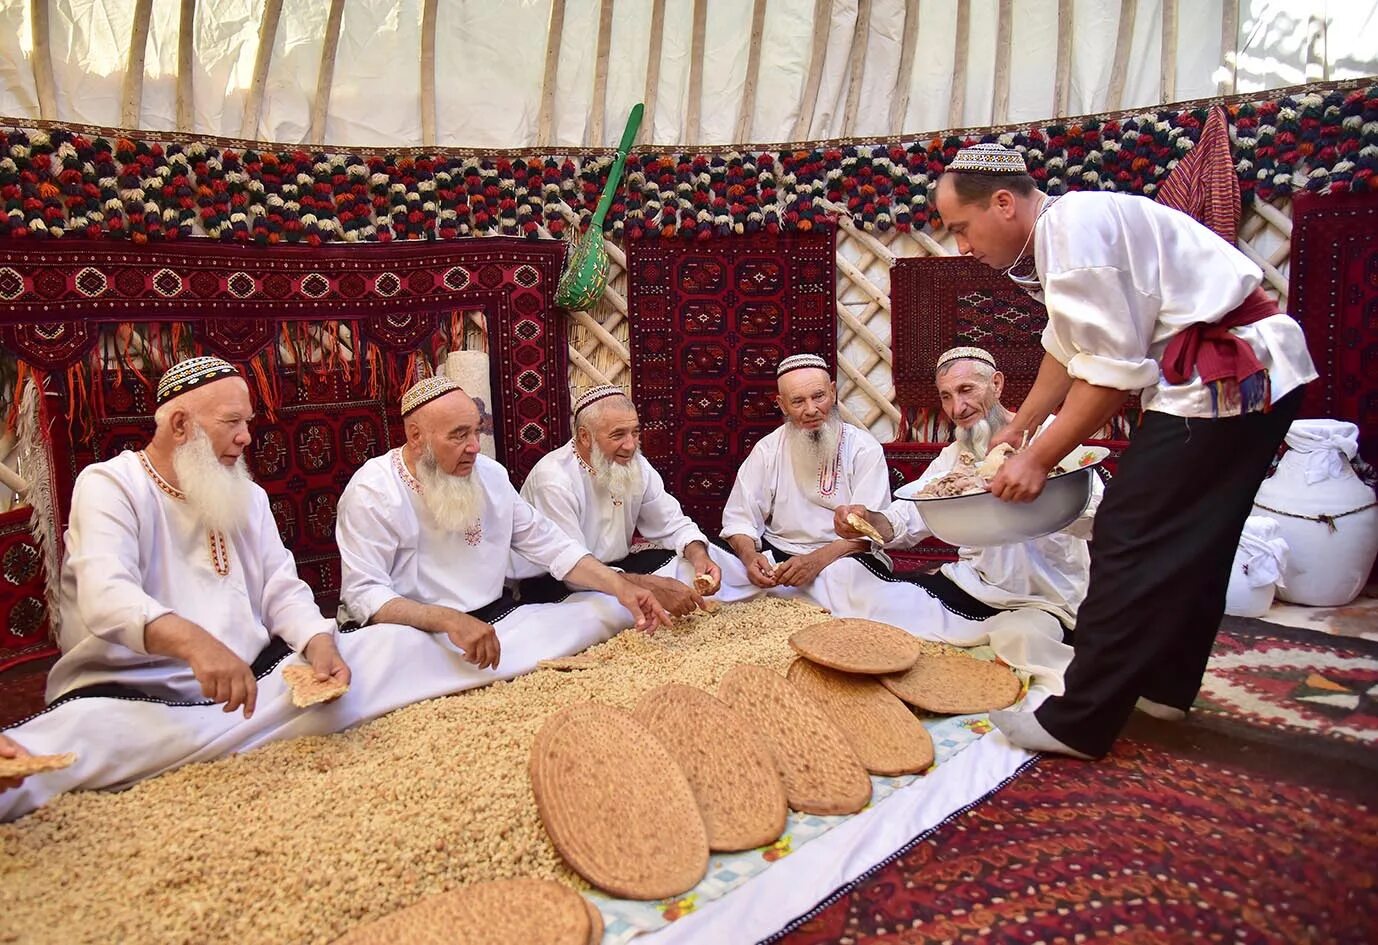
[
  {"x": 620, "y": 479},
  {"x": 455, "y": 502},
  {"x": 811, "y": 450},
  {"x": 976, "y": 438},
  {"x": 219, "y": 495}
]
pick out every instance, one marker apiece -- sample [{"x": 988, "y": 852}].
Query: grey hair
[
  {"x": 591, "y": 414},
  {"x": 981, "y": 368}
]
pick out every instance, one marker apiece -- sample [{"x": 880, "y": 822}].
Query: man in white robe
[
  {"x": 1047, "y": 574},
  {"x": 779, "y": 517},
  {"x": 601, "y": 491},
  {"x": 178, "y": 604},
  {"x": 425, "y": 534}
]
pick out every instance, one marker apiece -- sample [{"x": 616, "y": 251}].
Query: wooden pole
[
  {"x": 753, "y": 72},
  {"x": 598, "y": 107},
  {"x": 822, "y": 22},
  {"x": 132, "y": 99},
  {"x": 899, "y": 101},
  {"x": 186, "y": 48},
  {"x": 648, "y": 119},
  {"x": 428, "y": 28},
  {"x": 957, "y": 103},
  {"x": 267, "y": 34},
  {"x": 858, "y": 70},
  {"x": 1062, "y": 82},
  {"x": 1004, "y": 34},
  {"x": 43, "y": 61},
  {"x": 545, "y": 124},
  {"x": 1119, "y": 68},
  {"x": 325, "y": 74},
  {"x": 692, "y": 132},
  {"x": 1229, "y": 47},
  {"x": 1167, "y": 90}
]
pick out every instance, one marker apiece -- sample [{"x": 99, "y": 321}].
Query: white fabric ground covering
[{"x": 795, "y": 884}]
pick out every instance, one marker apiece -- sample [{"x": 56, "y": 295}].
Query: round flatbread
[
  {"x": 502, "y": 912},
  {"x": 732, "y": 774},
  {"x": 616, "y": 804},
  {"x": 955, "y": 684},
  {"x": 821, "y": 772},
  {"x": 858, "y": 646},
  {"x": 887, "y": 738},
  {"x": 26, "y": 765}
]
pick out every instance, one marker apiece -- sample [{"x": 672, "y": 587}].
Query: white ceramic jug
[{"x": 1324, "y": 511}]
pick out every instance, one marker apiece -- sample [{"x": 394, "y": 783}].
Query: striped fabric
[{"x": 1204, "y": 184}]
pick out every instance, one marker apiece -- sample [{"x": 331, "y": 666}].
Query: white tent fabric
[{"x": 490, "y": 65}]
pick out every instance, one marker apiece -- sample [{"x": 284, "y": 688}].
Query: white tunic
[
  {"x": 1049, "y": 573},
  {"x": 390, "y": 545},
  {"x": 766, "y": 499},
  {"x": 564, "y": 489},
  {"x": 1121, "y": 275},
  {"x": 135, "y": 551}
]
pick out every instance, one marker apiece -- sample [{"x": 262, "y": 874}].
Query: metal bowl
[{"x": 980, "y": 519}]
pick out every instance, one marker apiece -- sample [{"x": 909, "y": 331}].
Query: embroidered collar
[
  {"x": 580, "y": 460},
  {"x": 168, "y": 488},
  {"x": 399, "y": 464}
]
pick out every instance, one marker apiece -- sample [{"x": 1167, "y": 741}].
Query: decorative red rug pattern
[
  {"x": 1281, "y": 684},
  {"x": 1334, "y": 294},
  {"x": 1143, "y": 846},
  {"x": 319, "y": 421},
  {"x": 709, "y": 322},
  {"x": 23, "y": 609}
]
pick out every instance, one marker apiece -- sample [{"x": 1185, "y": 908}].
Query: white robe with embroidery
[
  {"x": 121, "y": 741},
  {"x": 564, "y": 488}
]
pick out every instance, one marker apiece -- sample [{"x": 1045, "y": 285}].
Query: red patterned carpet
[{"x": 1145, "y": 846}]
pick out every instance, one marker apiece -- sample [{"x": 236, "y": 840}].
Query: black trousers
[{"x": 1163, "y": 544}]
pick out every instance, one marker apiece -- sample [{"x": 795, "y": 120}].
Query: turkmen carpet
[{"x": 1144, "y": 846}]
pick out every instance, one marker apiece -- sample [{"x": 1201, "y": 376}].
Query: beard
[
  {"x": 975, "y": 439},
  {"x": 620, "y": 479},
  {"x": 810, "y": 450},
  {"x": 455, "y": 502},
  {"x": 219, "y": 495}
]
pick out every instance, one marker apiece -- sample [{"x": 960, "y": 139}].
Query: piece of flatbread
[
  {"x": 307, "y": 690},
  {"x": 568, "y": 663},
  {"x": 705, "y": 584},
  {"x": 865, "y": 527},
  {"x": 35, "y": 764}
]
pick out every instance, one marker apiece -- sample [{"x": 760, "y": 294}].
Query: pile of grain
[{"x": 299, "y": 841}]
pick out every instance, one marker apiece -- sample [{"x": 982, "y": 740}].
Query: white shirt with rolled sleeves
[
  {"x": 562, "y": 488},
  {"x": 1049, "y": 573},
  {"x": 135, "y": 551},
  {"x": 1121, "y": 275},
  {"x": 766, "y": 499},
  {"x": 391, "y": 546}
]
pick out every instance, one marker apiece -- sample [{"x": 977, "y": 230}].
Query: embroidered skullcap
[
  {"x": 797, "y": 361},
  {"x": 595, "y": 394},
  {"x": 426, "y": 390},
  {"x": 965, "y": 354},
  {"x": 989, "y": 159},
  {"x": 191, "y": 374}
]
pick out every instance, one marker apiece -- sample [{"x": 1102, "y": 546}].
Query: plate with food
[{"x": 959, "y": 509}]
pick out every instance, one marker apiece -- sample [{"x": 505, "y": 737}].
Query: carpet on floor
[{"x": 1147, "y": 845}]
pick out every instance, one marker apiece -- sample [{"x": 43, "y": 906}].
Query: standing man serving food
[{"x": 1140, "y": 298}]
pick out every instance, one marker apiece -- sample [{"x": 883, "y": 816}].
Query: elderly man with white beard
[
  {"x": 600, "y": 490},
  {"x": 425, "y": 533},
  {"x": 1048, "y": 574},
  {"x": 178, "y": 604}
]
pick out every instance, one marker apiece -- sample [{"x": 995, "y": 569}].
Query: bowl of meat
[{"x": 959, "y": 508}]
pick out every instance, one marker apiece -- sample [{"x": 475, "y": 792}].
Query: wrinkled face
[
  {"x": 224, "y": 411},
  {"x": 617, "y": 434},
  {"x": 989, "y": 232},
  {"x": 450, "y": 426},
  {"x": 967, "y": 396},
  {"x": 806, "y": 397}
]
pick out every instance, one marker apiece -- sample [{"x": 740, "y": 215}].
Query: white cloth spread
[{"x": 1120, "y": 276}]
